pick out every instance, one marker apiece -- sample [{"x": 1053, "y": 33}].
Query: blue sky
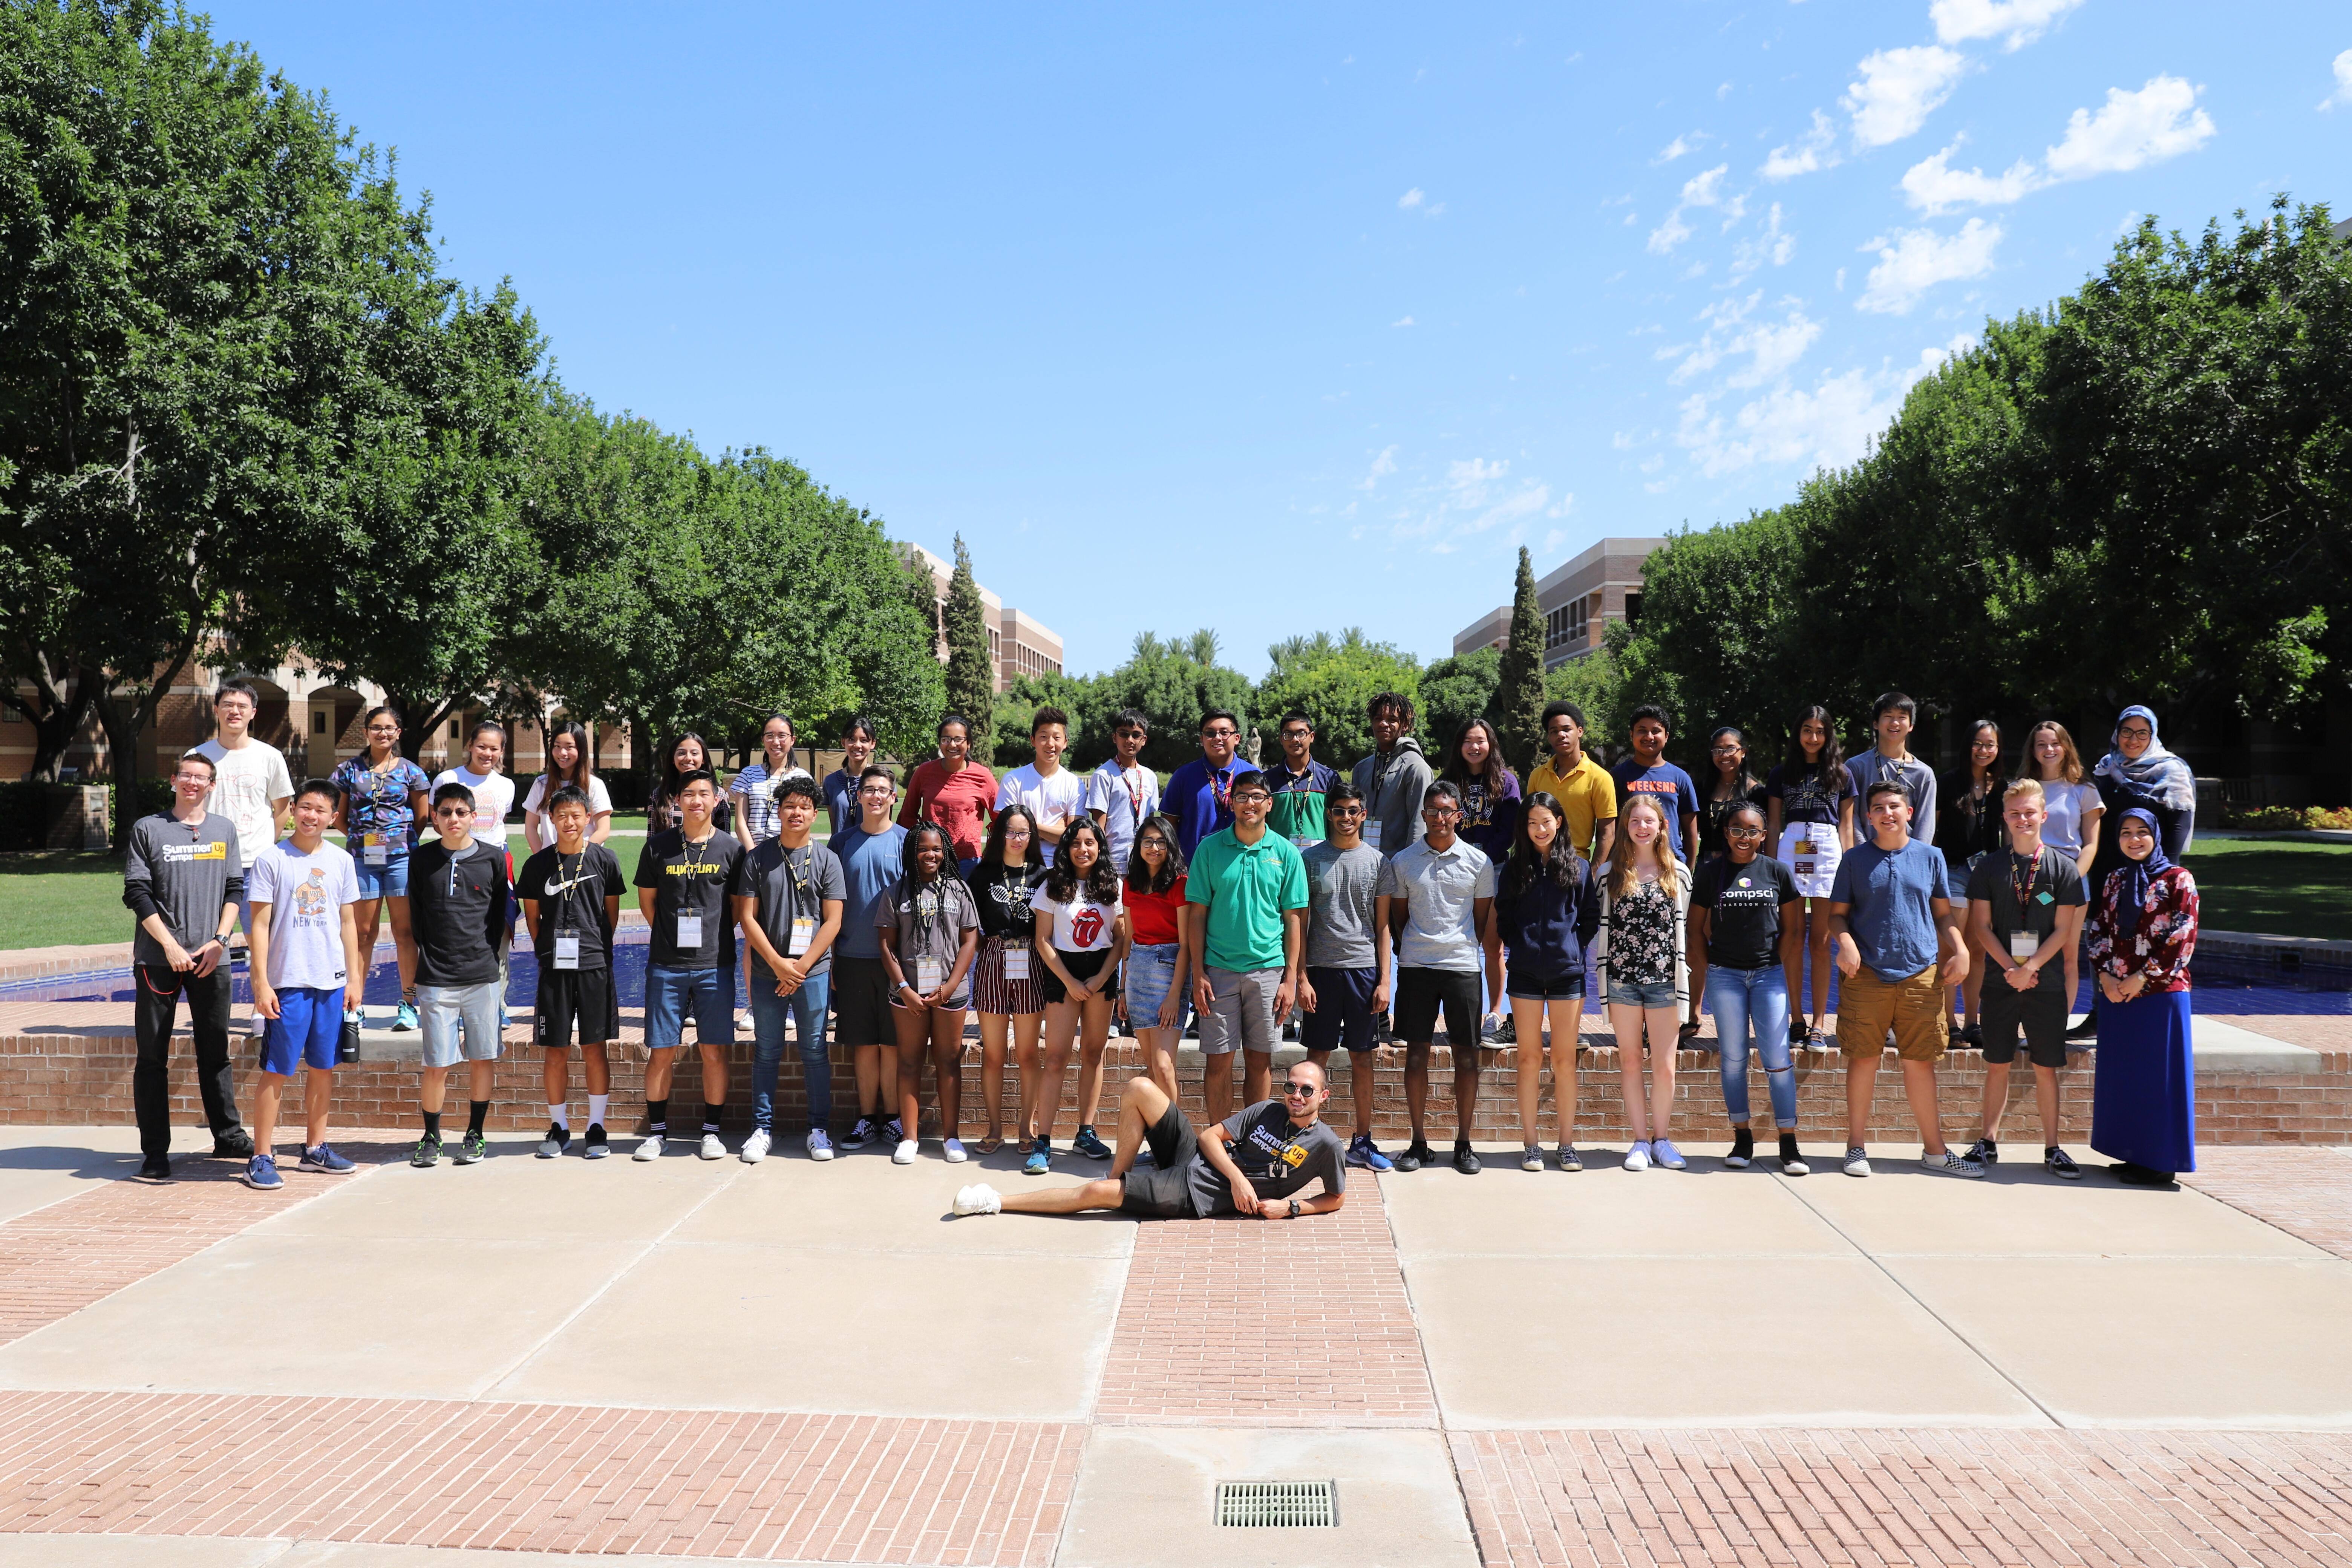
[{"x": 1273, "y": 319}]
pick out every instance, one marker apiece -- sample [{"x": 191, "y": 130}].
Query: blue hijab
[{"x": 2138, "y": 875}]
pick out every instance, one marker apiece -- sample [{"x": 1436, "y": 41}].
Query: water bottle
[{"x": 347, "y": 1050}]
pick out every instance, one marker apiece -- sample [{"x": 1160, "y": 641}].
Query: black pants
[{"x": 150, "y": 1081}]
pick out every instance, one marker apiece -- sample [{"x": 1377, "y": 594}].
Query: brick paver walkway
[
  {"x": 2104, "y": 1499},
  {"x": 2304, "y": 1191},
  {"x": 540, "y": 1478}
]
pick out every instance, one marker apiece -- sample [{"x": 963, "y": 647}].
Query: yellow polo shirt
[{"x": 1588, "y": 794}]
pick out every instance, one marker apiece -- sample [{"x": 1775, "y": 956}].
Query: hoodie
[{"x": 1392, "y": 786}]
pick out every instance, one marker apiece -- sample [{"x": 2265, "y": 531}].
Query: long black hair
[
  {"x": 1560, "y": 862},
  {"x": 1743, "y": 782},
  {"x": 911, "y": 870},
  {"x": 673, "y": 777},
  {"x": 1495, "y": 771},
  {"x": 1832, "y": 759},
  {"x": 993, "y": 852},
  {"x": 1139, "y": 874},
  {"x": 1102, "y": 883}
]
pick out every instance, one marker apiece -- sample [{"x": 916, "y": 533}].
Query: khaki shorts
[{"x": 1914, "y": 1008}]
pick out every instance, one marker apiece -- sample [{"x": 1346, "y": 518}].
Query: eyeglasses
[
  {"x": 1296, "y": 734},
  {"x": 1014, "y": 835},
  {"x": 192, "y": 776},
  {"x": 1743, "y": 833},
  {"x": 1297, "y": 1091},
  {"x": 2137, "y": 735},
  {"x": 1438, "y": 812},
  {"x": 1250, "y": 795},
  {"x": 1154, "y": 842},
  {"x": 1130, "y": 730},
  {"x": 1219, "y": 734},
  {"x": 879, "y": 791}
]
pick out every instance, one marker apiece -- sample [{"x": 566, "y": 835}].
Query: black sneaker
[
  {"x": 1985, "y": 1152},
  {"x": 1464, "y": 1161},
  {"x": 1743, "y": 1149},
  {"x": 860, "y": 1134},
  {"x": 1796, "y": 1031},
  {"x": 558, "y": 1139},
  {"x": 2061, "y": 1164},
  {"x": 471, "y": 1150},
  {"x": 1506, "y": 1033},
  {"x": 427, "y": 1152},
  {"x": 1792, "y": 1162},
  {"x": 1414, "y": 1158},
  {"x": 155, "y": 1168},
  {"x": 1972, "y": 1037},
  {"x": 597, "y": 1145},
  {"x": 236, "y": 1145},
  {"x": 1092, "y": 1147}
]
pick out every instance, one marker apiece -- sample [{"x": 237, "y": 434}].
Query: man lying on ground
[{"x": 1252, "y": 1164}]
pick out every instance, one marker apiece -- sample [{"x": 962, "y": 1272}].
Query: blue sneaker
[
  {"x": 1040, "y": 1158},
  {"x": 324, "y": 1159},
  {"x": 261, "y": 1172},
  {"x": 1365, "y": 1154},
  {"x": 1092, "y": 1147},
  {"x": 405, "y": 1018}
]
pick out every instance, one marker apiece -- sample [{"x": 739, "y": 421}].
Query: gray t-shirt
[
  {"x": 306, "y": 895},
  {"x": 2029, "y": 898},
  {"x": 1342, "y": 883},
  {"x": 1277, "y": 1158},
  {"x": 930, "y": 924},
  {"x": 1440, "y": 889},
  {"x": 184, "y": 873},
  {"x": 791, "y": 885}
]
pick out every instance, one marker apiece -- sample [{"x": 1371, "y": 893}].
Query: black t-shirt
[
  {"x": 571, "y": 890},
  {"x": 689, "y": 880},
  {"x": 1003, "y": 893},
  {"x": 1805, "y": 798},
  {"x": 790, "y": 884},
  {"x": 1743, "y": 928},
  {"x": 2024, "y": 900},
  {"x": 457, "y": 910}
]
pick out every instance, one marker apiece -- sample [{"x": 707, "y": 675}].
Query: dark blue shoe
[
  {"x": 262, "y": 1173},
  {"x": 1092, "y": 1147},
  {"x": 1365, "y": 1154},
  {"x": 324, "y": 1159}
]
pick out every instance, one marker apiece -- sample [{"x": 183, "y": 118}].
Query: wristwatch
[{"x": 1294, "y": 1208}]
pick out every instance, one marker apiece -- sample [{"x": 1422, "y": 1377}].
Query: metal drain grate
[{"x": 1291, "y": 1503}]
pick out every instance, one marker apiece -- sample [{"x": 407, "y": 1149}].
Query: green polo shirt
[{"x": 1246, "y": 888}]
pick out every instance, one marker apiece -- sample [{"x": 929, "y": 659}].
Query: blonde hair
[
  {"x": 2070, "y": 761},
  {"x": 1623, "y": 882},
  {"x": 2025, "y": 786}
]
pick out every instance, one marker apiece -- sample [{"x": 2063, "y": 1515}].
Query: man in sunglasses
[{"x": 1253, "y": 1163}]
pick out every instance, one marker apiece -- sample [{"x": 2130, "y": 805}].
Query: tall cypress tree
[
  {"x": 971, "y": 673},
  {"x": 1519, "y": 699}
]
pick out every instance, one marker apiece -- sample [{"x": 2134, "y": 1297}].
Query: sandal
[{"x": 988, "y": 1145}]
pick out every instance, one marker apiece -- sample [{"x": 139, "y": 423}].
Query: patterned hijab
[
  {"x": 2138, "y": 875},
  {"x": 2156, "y": 772}
]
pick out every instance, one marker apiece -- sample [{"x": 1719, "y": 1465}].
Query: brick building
[
  {"x": 1018, "y": 644},
  {"x": 1578, "y": 597}
]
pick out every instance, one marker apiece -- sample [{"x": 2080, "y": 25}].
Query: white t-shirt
[
  {"x": 1063, "y": 795},
  {"x": 1079, "y": 926},
  {"x": 600, "y": 800},
  {"x": 306, "y": 895},
  {"x": 2067, "y": 803},
  {"x": 244, "y": 782},
  {"x": 493, "y": 799}
]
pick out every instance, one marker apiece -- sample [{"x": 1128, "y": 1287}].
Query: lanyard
[
  {"x": 1134, "y": 797},
  {"x": 691, "y": 853},
  {"x": 1220, "y": 788},
  {"x": 2024, "y": 890}
]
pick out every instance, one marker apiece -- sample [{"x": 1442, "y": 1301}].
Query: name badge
[
  {"x": 689, "y": 930},
  {"x": 928, "y": 976},
  {"x": 803, "y": 932},
  {"x": 2024, "y": 945},
  {"x": 567, "y": 950},
  {"x": 1017, "y": 964},
  {"x": 372, "y": 848}
]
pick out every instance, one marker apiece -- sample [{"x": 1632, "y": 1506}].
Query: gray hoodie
[{"x": 1392, "y": 787}]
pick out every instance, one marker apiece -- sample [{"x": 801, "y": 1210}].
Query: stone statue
[{"x": 1253, "y": 746}]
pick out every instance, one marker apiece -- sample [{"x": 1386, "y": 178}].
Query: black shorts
[
  {"x": 1343, "y": 1010},
  {"x": 861, "y": 1002},
  {"x": 1422, "y": 992},
  {"x": 2039, "y": 1014},
  {"x": 584, "y": 997},
  {"x": 1083, "y": 967},
  {"x": 1164, "y": 1192}
]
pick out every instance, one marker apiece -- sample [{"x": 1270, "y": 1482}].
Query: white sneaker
[
  {"x": 651, "y": 1149},
  {"x": 1952, "y": 1165},
  {"x": 979, "y": 1199},
  {"x": 755, "y": 1147},
  {"x": 1637, "y": 1158},
  {"x": 1857, "y": 1163},
  {"x": 955, "y": 1152},
  {"x": 712, "y": 1148},
  {"x": 904, "y": 1154},
  {"x": 743, "y": 1022},
  {"x": 819, "y": 1143}
]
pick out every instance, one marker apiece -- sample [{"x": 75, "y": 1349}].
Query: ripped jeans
[{"x": 1740, "y": 996}]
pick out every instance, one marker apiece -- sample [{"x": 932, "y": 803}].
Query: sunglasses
[{"x": 1297, "y": 1091}]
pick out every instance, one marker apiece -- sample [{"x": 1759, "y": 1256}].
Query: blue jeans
[
  {"x": 803, "y": 1010},
  {"x": 710, "y": 992},
  {"x": 1737, "y": 997}
]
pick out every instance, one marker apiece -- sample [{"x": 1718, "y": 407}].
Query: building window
[
  {"x": 1633, "y": 609},
  {"x": 1578, "y": 620}
]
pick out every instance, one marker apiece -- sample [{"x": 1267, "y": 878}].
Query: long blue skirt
[{"x": 2144, "y": 1083}]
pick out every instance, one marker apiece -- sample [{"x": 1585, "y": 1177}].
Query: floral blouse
[
  {"x": 2166, "y": 934},
  {"x": 1642, "y": 950}
]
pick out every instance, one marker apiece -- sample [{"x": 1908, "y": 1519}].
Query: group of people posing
[{"x": 1361, "y": 909}]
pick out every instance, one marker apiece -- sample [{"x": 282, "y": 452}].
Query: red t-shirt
[
  {"x": 1151, "y": 917},
  {"x": 961, "y": 802}
]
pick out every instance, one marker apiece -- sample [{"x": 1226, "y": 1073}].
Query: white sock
[
  {"x": 561, "y": 1115},
  {"x": 596, "y": 1104}
]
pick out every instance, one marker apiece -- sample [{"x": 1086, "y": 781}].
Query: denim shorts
[
  {"x": 1647, "y": 993},
  {"x": 670, "y": 993},
  {"x": 389, "y": 880},
  {"x": 1563, "y": 988},
  {"x": 1145, "y": 978}
]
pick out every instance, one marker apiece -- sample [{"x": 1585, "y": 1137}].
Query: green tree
[
  {"x": 1172, "y": 685},
  {"x": 971, "y": 673},
  {"x": 1079, "y": 696},
  {"x": 1330, "y": 679},
  {"x": 1455, "y": 690},
  {"x": 1520, "y": 704}
]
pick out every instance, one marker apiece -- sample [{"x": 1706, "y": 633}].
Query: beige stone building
[
  {"x": 1579, "y": 598},
  {"x": 1018, "y": 644}
]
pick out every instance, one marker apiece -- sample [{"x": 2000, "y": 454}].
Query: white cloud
[
  {"x": 2160, "y": 120},
  {"x": 2343, "y": 93},
  {"x": 1401, "y": 321},
  {"x": 1827, "y": 425},
  {"x": 1815, "y": 150},
  {"x": 1679, "y": 147},
  {"x": 1656, "y": 460},
  {"x": 1916, "y": 259},
  {"x": 1411, "y": 198},
  {"x": 1899, "y": 90},
  {"x": 2016, "y": 23},
  {"x": 1699, "y": 191},
  {"x": 1622, "y": 439},
  {"x": 1772, "y": 246},
  {"x": 1933, "y": 186},
  {"x": 1382, "y": 466},
  {"x": 1477, "y": 496},
  {"x": 1772, "y": 346}
]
